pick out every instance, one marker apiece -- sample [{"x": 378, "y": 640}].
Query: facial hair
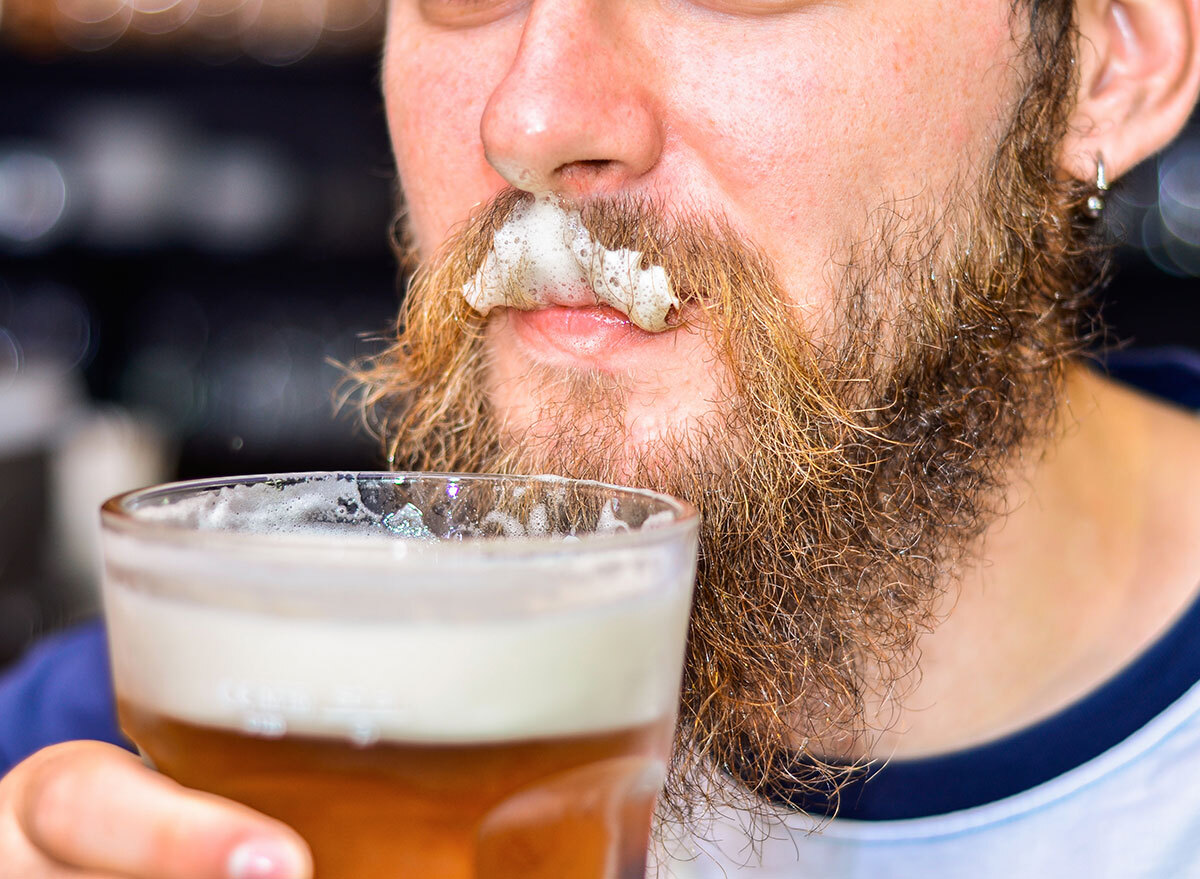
[{"x": 840, "y": 481}]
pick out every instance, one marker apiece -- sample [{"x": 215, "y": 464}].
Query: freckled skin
[{"x": 793, "y": 119}]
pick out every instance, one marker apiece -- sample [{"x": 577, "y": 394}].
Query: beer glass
[{"x": 428, "y": 676}]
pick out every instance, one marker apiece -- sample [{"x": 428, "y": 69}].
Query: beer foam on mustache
[
  {"x": 543, "y": 255},
  {"x": 572, "y": 659}
]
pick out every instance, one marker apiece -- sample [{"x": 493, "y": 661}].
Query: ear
[{"x": 1139, "y": 77}]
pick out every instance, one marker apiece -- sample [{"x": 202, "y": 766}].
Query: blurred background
[
  {"x": 194, "y": 203},
  {"x": 194, "y": 200}
]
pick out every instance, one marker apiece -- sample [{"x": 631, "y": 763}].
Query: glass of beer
[{"x": 428, "y": 676}]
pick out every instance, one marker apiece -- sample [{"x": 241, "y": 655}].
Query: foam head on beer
[{"x": 371, "y": 610}]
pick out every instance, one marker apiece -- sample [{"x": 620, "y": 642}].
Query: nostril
[
  {"x": 584, "y": 165},
  {"x": 589, "y": 172}
]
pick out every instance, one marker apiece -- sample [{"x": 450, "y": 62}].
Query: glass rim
[{"x": 117, "y": 514}]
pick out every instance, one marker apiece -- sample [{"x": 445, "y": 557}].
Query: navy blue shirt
[{"x": 61, "y": 690}]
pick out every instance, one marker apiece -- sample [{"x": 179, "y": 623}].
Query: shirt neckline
[
  {"x": 1113, "y": 712},
  {"x": 1110, "y": 714}
]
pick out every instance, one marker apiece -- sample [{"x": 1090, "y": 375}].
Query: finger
[
  {"x": 90, "y": 805},
  {"x": 20, "y": 860},
  {"x": 45, "y": 869}
]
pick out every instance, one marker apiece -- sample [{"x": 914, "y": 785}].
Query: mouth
[
  {"x": 580, "y": 332},
  {"x": 595, "y": 335}
]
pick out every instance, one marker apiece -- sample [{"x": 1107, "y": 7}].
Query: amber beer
[
  {"x": 576, "y": 806},
  {"x": 478, "y": 709}
]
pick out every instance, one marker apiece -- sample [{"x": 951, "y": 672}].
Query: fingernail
[{"x": 265, "y": 859}]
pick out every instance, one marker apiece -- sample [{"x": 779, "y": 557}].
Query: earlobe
[{"x": 1139, "y": 78}]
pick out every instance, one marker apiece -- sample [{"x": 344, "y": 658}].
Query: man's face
[
  {"x": 880, "y": 273},
  {"x": 798, "y": 122}
]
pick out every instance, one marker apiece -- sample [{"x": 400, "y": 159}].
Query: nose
[{"x": 571, "y": 114}]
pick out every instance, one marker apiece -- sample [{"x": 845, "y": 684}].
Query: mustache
[{"x": 702, "y": 253}]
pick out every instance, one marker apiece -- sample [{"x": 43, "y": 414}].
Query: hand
[{"x": 87, "y": 810}]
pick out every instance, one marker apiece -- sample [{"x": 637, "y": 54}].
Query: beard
[{"x": 840, "y": 479}]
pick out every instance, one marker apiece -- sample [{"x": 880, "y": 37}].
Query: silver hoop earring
[{"x": 1095, "y": 202}]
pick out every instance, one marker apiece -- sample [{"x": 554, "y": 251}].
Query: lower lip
[{"x": 579, "y": 332}]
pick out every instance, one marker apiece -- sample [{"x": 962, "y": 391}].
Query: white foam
[
  {"x": 544, "y": 255},
  {"x": 271, "y": 507},
  {"x": 554, "y": 666}
]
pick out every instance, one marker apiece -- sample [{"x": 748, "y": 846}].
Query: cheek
[
  {"x": 436, "y": 86},
  {"x": 805, "y": 135}
]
